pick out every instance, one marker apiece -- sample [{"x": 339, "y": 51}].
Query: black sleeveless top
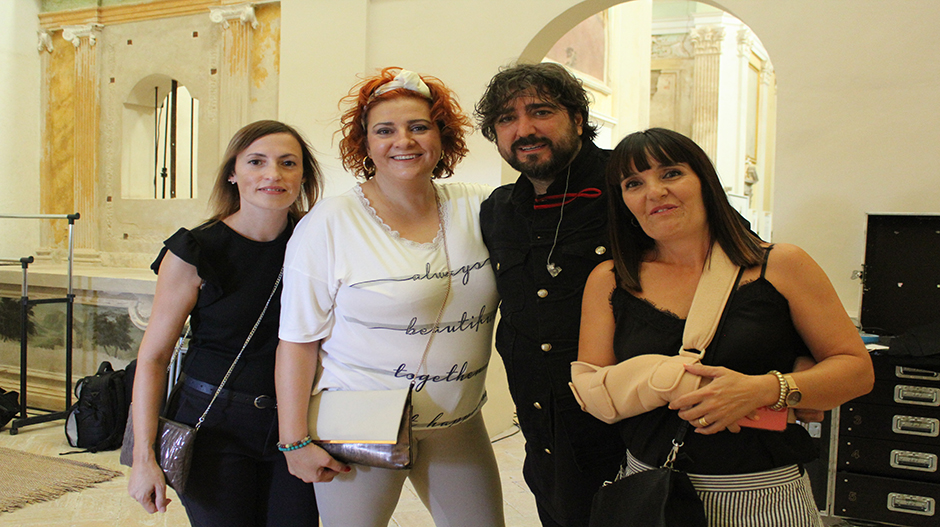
[
  {"x": 758, "y": 336},
  {"x": 238, "y": 275}
]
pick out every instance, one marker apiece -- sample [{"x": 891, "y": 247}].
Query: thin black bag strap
[
  {"x": 679, "y": 440},
  {"x": 724, "y": 313}
]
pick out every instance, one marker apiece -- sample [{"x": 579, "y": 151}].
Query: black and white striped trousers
[{"x": 781, "y": 497}]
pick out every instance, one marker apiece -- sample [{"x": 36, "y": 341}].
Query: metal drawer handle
[
  {"x": 911, "y": 504},
  {"x": 907, "y": 460},
  {"x": 920, "y": 395},
  {"x": 918, "y": 426},
  {"x": 906, "y": 372}
]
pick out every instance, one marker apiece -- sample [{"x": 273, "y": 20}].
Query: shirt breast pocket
[
  {"x": 584, "y": 255},
  {"x": 509, "y": 266}
]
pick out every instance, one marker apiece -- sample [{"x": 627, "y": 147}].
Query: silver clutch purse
[
  {"x": 173, "y": 449},
  {"x": 371, "y": 427},
  {"x": 175, "y": 442}
]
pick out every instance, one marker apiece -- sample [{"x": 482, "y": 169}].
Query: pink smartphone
[{"x": 769, "y": 419}]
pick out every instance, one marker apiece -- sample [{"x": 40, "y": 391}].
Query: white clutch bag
[{"x": 368, "y": 427}]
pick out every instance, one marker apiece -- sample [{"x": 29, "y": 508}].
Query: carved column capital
[
  {"x": 707, "y": 39},
  {"x": 745, "y": 42},
  {"x": 75, "y": 34},
  {"x": 767, "y": 73},
  {"x": 44, "y": 41},
  {"x": 245, "y": 13}
]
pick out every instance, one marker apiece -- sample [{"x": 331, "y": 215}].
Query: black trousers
[{"x": 238, "y": 477}]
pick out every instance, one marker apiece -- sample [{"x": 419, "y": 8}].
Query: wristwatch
[
  {"x": 794, "y": 395},
  {"x": 790, "y": 394}
]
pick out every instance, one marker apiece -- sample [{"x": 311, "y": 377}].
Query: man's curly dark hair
[{"x": 550, "y": 81}]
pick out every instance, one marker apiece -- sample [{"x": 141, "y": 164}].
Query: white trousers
[{"x": 454, "y": 474}]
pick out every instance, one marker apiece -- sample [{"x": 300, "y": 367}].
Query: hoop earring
[
  {"x": 368, "y": 171},
  {"x": 439, "y": 168},
  {"x": 634, "y": 222}
]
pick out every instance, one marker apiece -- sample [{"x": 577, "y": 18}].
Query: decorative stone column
[
  {"x": 766, "y": 139},
  {"x": 745, "y": 43},
  {"x": 238, "y": 23},
  {"x": 706, "y": 42},
  {"x": 44, "y": 41},
  {"x": 85, "y": 160}
]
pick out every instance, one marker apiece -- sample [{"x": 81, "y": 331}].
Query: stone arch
[
  {"x": 731, "y": 94},
  {"x": 561, "y": 24}
]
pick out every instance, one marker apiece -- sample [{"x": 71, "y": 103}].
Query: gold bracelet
[{"x": 784, "y": 387}]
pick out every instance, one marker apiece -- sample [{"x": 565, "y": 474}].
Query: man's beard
[{"x": 562, "y": 153}]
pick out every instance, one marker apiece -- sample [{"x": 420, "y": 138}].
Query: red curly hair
[{"x": 445, "y": 112}]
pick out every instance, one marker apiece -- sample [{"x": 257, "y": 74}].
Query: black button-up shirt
[{"x": 537, "y": 335}]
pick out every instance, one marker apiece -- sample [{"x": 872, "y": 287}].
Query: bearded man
[{"x": 546, "y": 233}]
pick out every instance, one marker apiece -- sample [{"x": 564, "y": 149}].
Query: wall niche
[{"x": 160, "y": 144}]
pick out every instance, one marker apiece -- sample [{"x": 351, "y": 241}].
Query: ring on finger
[{"x": 702, "y": 421}]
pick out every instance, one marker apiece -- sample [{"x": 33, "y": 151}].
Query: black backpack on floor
[
  {"x": 9, "y": 406},
  {"x": 96, "y": 421}
]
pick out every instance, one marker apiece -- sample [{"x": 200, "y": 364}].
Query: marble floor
[{"x": 107, "y": 504}]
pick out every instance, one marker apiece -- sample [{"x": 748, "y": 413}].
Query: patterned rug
[{"x": 30, "y": 478}]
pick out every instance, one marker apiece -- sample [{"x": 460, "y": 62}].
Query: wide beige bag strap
[{"x": 718, "y": 280}]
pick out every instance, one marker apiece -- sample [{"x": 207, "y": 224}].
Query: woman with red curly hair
[{"x": 389, "y": 284}]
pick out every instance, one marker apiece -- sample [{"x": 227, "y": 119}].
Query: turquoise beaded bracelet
[{"x": 295, "y": 445}]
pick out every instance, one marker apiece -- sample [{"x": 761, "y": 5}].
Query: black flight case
[{"x": 885, "y": 445}]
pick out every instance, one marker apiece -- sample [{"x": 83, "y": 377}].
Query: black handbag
[
  {"x": 9, "y": 406},
  {"x": 660, "y": 497}
]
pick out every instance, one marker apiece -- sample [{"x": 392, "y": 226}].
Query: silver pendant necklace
[{"x": 553, "y": 269}]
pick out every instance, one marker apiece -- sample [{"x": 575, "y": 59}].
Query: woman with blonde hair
[{"x": 221, "y": 274}]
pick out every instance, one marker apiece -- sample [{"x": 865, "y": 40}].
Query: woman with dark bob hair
[
  {"x": 673, "y": 220},
  {"x": 389, "y": 283},
  {"x": 222, "y": 274}
]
